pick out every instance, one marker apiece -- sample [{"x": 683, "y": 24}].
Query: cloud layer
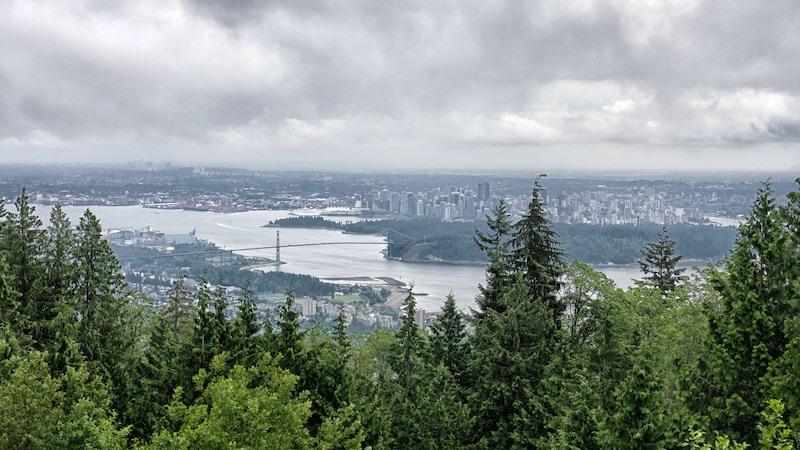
[{"x": 417, "y": 84}]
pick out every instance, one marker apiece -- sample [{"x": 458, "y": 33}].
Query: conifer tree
[
  {"x": 245, "y": 330},
  {"x": 410, "y": 350},
  {"x": 536, "y": 254},
  {"x": 59, "y": 261},
  {"x": 340, "y": 335},
  {"x": 24, "y": 242},
  {"x": 747, "y": 330},
  {"x": 496, "y": 246},
  {"x": 660, "y": 264},
  {"x": 638, "y": 422},
  {"x": 205, "y": 343},
  {"x": 509, "y": 357},
  {"x": 222, "y": 327},
  {"x": 178, "y": 311},
  {"x": 448, "y": 339},
  {"x": 289, "y": 342}
]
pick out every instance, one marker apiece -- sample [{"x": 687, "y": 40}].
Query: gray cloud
[{"x": 573, "y": 83}]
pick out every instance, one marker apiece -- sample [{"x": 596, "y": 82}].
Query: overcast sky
[{"x": 412, "y": 84}]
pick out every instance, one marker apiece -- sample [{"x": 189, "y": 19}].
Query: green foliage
[
  {"x": 341, "y": 431},
  {"x": 40, "y": 411},
  {"x": 748, "y": 329},
  {"x": 510, "y": 352},
  {"x": 773, "y": 433},
  {"x": 660, "y": 264},
  {"x": 305, "y": 222},
  {"x": 536, "y": 254},
  {"x": 559, "y": 357},
  {"x": 448, "y": 340},
  {"x": 497, "y": 248},
  {"x": 232, "y": 412}
]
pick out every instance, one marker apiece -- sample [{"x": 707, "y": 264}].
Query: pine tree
[
  {"x": 97, "y": 289},
  {"x": 747, "y": 330},
  {"x": 410, "y": 350},
  {"x": 245, "y": 330},
  {"x": 660, "y": 264},
  {"x": 205, "y": 344},
  {"x": 222, "y": 327},
  {"x": 289, "y": 341},
  {"x": 448, "y": 339},
  {"x": 24, "y": 242},
  {"x": 341, "y": 375},
  {"x": 510, "y": 354},
  {"x": 638, "y": 422},
  {"x": 59, "y": 257},
  {"x": 536, "y": 254},
  {"x": 178, "y": 312},
  {"x": 496, "y": 246}
]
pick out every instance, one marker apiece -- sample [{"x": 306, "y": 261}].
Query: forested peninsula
[
  {"x": 427, "y": 239},
  {"x": 554, "y": 357}
]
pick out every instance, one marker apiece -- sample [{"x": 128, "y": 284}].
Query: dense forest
[
  {"x": 555, "y": 356},
  {"x": 433, "y": 239}
]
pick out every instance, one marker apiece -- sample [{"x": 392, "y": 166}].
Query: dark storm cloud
[{"x": 558, "y": 82}]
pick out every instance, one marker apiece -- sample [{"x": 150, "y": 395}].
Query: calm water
[{"x": 243, "y": 230}]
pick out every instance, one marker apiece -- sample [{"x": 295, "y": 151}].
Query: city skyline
[{"x": 489, "y": 86}]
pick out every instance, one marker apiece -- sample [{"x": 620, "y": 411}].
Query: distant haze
[{"x": 708, "y": 85}]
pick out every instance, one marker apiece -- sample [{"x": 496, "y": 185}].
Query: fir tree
[
  {"x": 496, "y": 246},
  {"x": 638, "y": 422},
  {"x": 509, "y": 357},
  {"x": 205, "y": 344},
  {"x": 108, "y": 330},
  {"x": 536, "y": 254},
  {"x": 448, "y": 339},
  {"x": 245, "y": 330},
  {"x": 24, "y": 243},
  {"x": 747, "y": 330},
  {"x": 660, "y": 264},
  {"x": 289, "y": 341}
]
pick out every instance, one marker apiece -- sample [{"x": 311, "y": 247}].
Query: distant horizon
[{"x": 632, "y": 174}]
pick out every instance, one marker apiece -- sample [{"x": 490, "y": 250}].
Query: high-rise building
[
  {"x": 309, "y": 308},
  {"x": 483, "y": 192},
  {"x": 394, "y": 202},
  {"x": 419, "y": 318}
]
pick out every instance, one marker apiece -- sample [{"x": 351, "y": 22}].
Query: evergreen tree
[
  {"x": 342, "y": 376},
  {"x": 496, "y": 246},
  {"x": 245, "y": 331},
  {"x": 638, "y": 422},
  {"x": 660, "y": 264},
  {"x": 448, "y": 339},
  {"x": 9, "y": 303},
  {"x": 98, "y": 292},
  {"x": 23, "y": 243},
  {"x": 205, "y": 343},
  {"x": 178, "y": 312},
  {"x": 222, "y": 327},
  {"x": 536, "y": 254},
  {"x": 509, "y": 358},
  {"x": 747, "y": 331},
  {"x": 410, "y": 344},
  {"x": 58, "y": 277},
  {"x": 289, "y": 342}
]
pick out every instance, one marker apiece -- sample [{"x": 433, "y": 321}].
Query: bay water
[{"x": 335, "y": 261}]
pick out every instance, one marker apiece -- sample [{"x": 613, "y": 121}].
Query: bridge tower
[{"x": 278, "y": 249}]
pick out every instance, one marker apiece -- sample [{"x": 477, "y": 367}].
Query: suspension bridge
[{"x": 392, "y": 244}]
